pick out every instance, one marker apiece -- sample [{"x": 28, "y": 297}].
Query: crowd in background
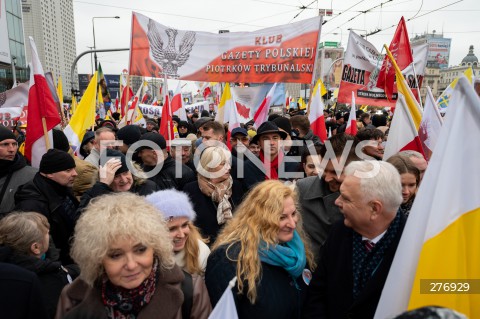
[{"x": 161, "y": 231}]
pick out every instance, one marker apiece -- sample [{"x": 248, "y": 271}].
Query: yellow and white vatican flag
[{"x": 438, "y": 258}]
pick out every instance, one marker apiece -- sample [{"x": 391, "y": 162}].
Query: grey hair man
[
  {"x": 359, "y": 250},
  {"x": 102, "y": 137}
]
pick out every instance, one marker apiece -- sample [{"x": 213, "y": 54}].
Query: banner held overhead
[{"x": 278, "y": 54}]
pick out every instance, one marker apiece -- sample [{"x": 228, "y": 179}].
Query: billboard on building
[
  {"x": 4, "y": 41},
  {"x": 83, "y": 80},
  {"x": 113, "y": 85},
  {"x": 439, "y": 51},
  {"x": 331, "y": 60}
]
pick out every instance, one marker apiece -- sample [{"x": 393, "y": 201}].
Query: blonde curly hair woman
[
  {"x": 264, "y": 246},
  {"x": 124, "y": 251}
]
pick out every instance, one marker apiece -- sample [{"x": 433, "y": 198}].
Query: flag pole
[
  {"x": 45, "y": 133},
  {"x": 416, "y": 82},
  {"x": 315, "y": 63},
  {"x": 94, "y": 113},
  {"x": 167, "y": 95}
]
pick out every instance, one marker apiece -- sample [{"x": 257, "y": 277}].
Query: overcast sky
[{"x": 457, "y": 19}]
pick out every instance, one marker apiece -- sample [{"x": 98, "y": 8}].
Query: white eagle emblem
[{"x": 168, "y": 57}]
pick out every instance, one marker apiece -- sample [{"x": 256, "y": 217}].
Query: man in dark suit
[{"x": 359, "y": 250}]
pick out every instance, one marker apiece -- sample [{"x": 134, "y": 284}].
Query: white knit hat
[{"x": 172, "y": 203}]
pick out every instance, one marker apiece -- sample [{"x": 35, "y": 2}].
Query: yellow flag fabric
[
  {"x": 402, "y": 88},
  {"x": 437, "y": 261},
  {"x": 60, "y": 90},
  {"x": 224, "y": 100},
  {"x": 74, "y": 105},
  {"x": 301, "y": 104},
  {"x": 84, "y": 116}
]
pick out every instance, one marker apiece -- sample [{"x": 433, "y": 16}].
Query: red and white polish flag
[{"x": 42, "y": 112}]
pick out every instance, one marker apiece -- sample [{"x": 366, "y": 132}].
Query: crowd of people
[{"x": 159, "y": 231}]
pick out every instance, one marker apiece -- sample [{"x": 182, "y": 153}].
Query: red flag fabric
[
  {"x": 127, "y": 94},
  {"x": 166, "y": 124},
  {"x": 315, "y": 114},
  {"x": 351, "y": 128},
  {"x": 207, "y": 92},
  {"x": 42, "y": 112},
  {"x": 262, "y": 113},
  {"x": 402, "y": 53},
  {"x": 177, "y": 104}
]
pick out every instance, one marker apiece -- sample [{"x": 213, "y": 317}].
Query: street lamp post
[
  {"x": 14, "y": 71},
  {"x": 91, "y": 58},
  {"x": 94, "y": 45}
]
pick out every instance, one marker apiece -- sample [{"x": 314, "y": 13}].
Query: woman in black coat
[
  {"x": 24, "y": 242},
  {"x": 215, "y": 194},
  {"x": 264, "y": 247}
]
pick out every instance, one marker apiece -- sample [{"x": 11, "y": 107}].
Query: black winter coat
[
  {"x": 206, "y": 209},
  {"x": 254, "y": 173},
  {"x": 166, "y": 179},
  {"x": 277, "y": 295},
  {"x": 21, "y": 295},
  {"x": 53, "y": 277},
  {"x": 57, "y": 203},
  {"x": 330, "y": 294}
]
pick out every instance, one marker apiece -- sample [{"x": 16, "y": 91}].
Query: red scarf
[{"x": 272, "y": 166}]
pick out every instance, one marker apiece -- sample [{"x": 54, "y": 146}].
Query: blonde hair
[
  {"x": 211, "y": 158},
  {"x": 257, "y": 219},
  {"x": 19, "y": 230},
  {"x": 110, "y": 217},
  {"x": 192, "y": 250}
]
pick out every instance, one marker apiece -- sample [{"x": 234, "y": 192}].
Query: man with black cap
[
  {"x": 153, "y": 153},
  {"x": 128, "y": 134},
  {"x": 239, "y": 140},
  {"x": 13, "y": 170},
  {"x": 49, "y": 193},
  {"x": 272, "y": 164},
  {"x": 183, "y": 129},
  {"x": 152, "y": 126}
]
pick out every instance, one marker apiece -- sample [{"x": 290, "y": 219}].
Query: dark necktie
[{"x": 368, "y": 245}]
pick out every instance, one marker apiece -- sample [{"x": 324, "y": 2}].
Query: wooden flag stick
[{"x": 45, "y": 133}]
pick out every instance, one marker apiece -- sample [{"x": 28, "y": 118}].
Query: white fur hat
[{"x": 172, "y": 203}]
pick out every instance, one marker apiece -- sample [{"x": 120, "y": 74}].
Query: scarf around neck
[
  {"x": 7, "y": 166},
  {"x": 272, "y": 166},
  {"x": 365, "y": 263},
  {"x": 219, "y": 193},
  {"x": 122, "y": 303},
  {"x": 290, "y": 255}
]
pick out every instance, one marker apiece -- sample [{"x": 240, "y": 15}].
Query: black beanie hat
[
  {"x": 129, "y": 134},
  {"x": 117, "y": 154},
  {"x": 156, "y": 138},
  {"x": 60, "y": 140},
  {"x": 284, "y": 124},
  {"x": 55, "y": 161},
  {"x": 6, "y": 134}
]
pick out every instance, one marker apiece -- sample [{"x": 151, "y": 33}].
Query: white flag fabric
[
  {"x": 430, "y": 126},
  {"x": 262, "y": 113},
  {"x": 441, "y": 241},
  {"x": 403, "y": 133},
  {"x": 225, "y": 308}
]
